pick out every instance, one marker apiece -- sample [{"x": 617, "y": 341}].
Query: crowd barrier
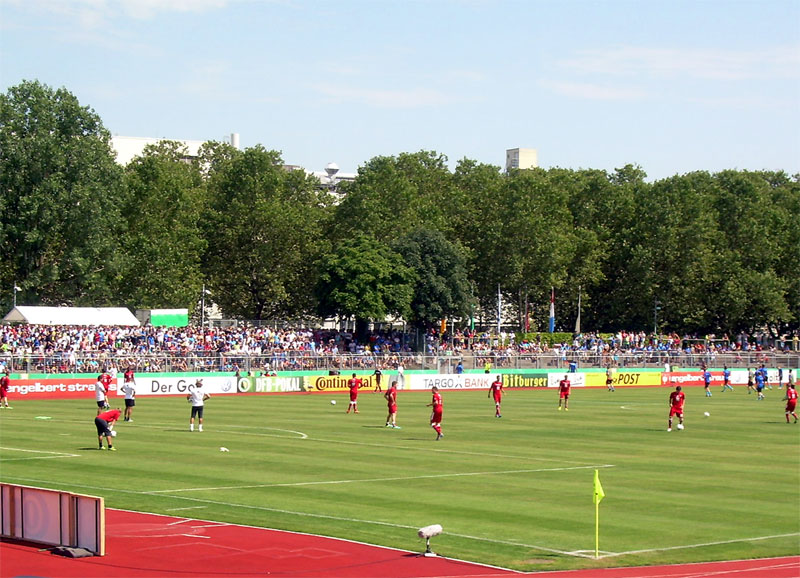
[
  {"x": 95, "y": 362},
  {"x": 24, "y": 386}
]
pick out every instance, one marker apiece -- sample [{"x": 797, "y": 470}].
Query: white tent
[{"x": 71, "y": 316}]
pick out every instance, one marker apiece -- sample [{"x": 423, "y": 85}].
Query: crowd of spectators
[{"x": 88, "y": 349}]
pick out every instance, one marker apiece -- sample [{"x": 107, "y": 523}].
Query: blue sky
[{"x": 673, "y": 86}]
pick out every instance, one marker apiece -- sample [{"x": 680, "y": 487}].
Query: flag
[
  {"x": 552, "y": 309},
  {"x": 578, "y": 319},
  {"x": 599, "y": 494}
]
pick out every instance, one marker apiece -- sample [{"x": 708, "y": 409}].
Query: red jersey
[
  {"x": 105, "y": 379},
  {"x": 791, "y": 394},
  {"x": 112, "y": 414},
  {"x": 391, "y": 395},
  {"x": 564, "y": 385},
  {"x": 437, "y": 402},
  {"x": 354, "y": 383},
  {"x": 4, "y": 383},
  {"x": 676, "y": 399},
  {"x": 128, "y": 376},
  {"x": 496, "y": 387}
]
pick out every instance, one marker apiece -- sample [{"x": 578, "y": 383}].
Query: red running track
[{"x": 152, "y": 546}]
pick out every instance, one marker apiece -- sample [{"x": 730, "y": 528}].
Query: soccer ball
[
  {"x": 113, "y": 433},
  {"x": 333, "y": 402},
  {"x": 680, "y": 426},
  {"x": 706, "y": 414}
]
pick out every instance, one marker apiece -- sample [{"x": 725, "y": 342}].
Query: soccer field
[{"x": 515, "y": 492}]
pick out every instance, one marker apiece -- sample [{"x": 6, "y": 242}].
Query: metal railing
[{"x": 95, "y": 362}]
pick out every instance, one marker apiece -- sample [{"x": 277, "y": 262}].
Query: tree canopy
[{"x": 409, "y": 237}]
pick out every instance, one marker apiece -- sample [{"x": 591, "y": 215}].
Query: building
[
  {"x": 331, "y": 177},
  {"x": 521, "y": 159},
  {"x": 129, "y": 147}
]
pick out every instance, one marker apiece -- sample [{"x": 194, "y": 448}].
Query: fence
[{"x": 95, "y": 362}]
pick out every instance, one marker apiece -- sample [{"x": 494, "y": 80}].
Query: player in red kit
[
  {"x": 353, "y": 383},
  {"x": 496, "y": 391},
  {"x": 106, "y": 379},
  {"x": 104, "y": 423},
  {"x": 676, "y": 399},
  {"x": 436, "y": 416},
  {"x": 563, "y": 393},
  {"x": 391, "y": 399},
  {"x": 5, "y": 383},
  {"x": 791, "y": 402}
]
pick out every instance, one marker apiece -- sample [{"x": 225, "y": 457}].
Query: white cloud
[
  {"x": 711, "y": 64},
  {"x": 405, "y": 98},
  {"x": 592, "y": 91},
  {"x": 96, "y": 14}
]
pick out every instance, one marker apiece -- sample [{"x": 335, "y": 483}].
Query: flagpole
[
  {"x": 598, "y": 494},
  {"x": 597, "y": 529}
]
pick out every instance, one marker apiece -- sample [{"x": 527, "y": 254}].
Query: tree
[
  {"x": 392, "y": 195},
  {"x": 538, "y": 237},
  {"x": 365, "y": 279},
  {"x": 59, "y": 218},
  {"x": 164, "y": 243},
  {"x": 264, "y": 228},
  {"x": 442, "y": 289}
]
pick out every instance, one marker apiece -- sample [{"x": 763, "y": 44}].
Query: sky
[{"x": 670, "y": 85}]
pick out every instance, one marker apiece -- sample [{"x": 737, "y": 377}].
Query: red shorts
[
  {"x": 392, "y": 408},
  {"x": 3, "y": 392},
  {"x": 791, "y": 405},
  {"x": 498, "y": 397},
  {"x": 353, "y": 396},
  {"x": 564, "y": 395},
  {"x": 675, "y": 411},
  {"x": 436, "y": 417}
]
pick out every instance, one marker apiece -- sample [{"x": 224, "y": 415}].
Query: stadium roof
[{"x": 71, "y": 316}]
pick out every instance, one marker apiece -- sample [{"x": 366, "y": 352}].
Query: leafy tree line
[{"x": 408, "y": 238}]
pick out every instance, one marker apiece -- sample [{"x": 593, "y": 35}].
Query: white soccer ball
[
  {"x": 333, "y": 402},
  {"x": 706, "y": 414},
  {"x": 113, "y": 433},
  {"x": 680, "y": 426}
]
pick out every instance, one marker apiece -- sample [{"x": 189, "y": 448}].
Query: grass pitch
[{"x": 514, "y": 492}]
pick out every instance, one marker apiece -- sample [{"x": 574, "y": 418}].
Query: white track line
[{"x": 371, "y": 480}]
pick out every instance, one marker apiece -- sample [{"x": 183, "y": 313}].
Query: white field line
[
  {"x": 186, "y": 508},
  {"x": 414, "y": 528},
  {"x": 701, "y": 545},
  {"x": 306, "y": 515},
  {"x": 392, "y": 479},
  {"x": 49, "y": 456}
]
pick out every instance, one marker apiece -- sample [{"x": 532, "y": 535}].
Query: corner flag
[
  {"x": 599, "y": 494},
  {"x": 552, "y": 309}
]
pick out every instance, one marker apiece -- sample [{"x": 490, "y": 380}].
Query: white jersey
[
  {"x": 129, "y": 389},
  {"x": 99, "y": 392},
  {"x": 197, "y": 396}
]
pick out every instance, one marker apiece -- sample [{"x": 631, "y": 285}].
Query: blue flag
[{"x": 552, "y": 309}]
